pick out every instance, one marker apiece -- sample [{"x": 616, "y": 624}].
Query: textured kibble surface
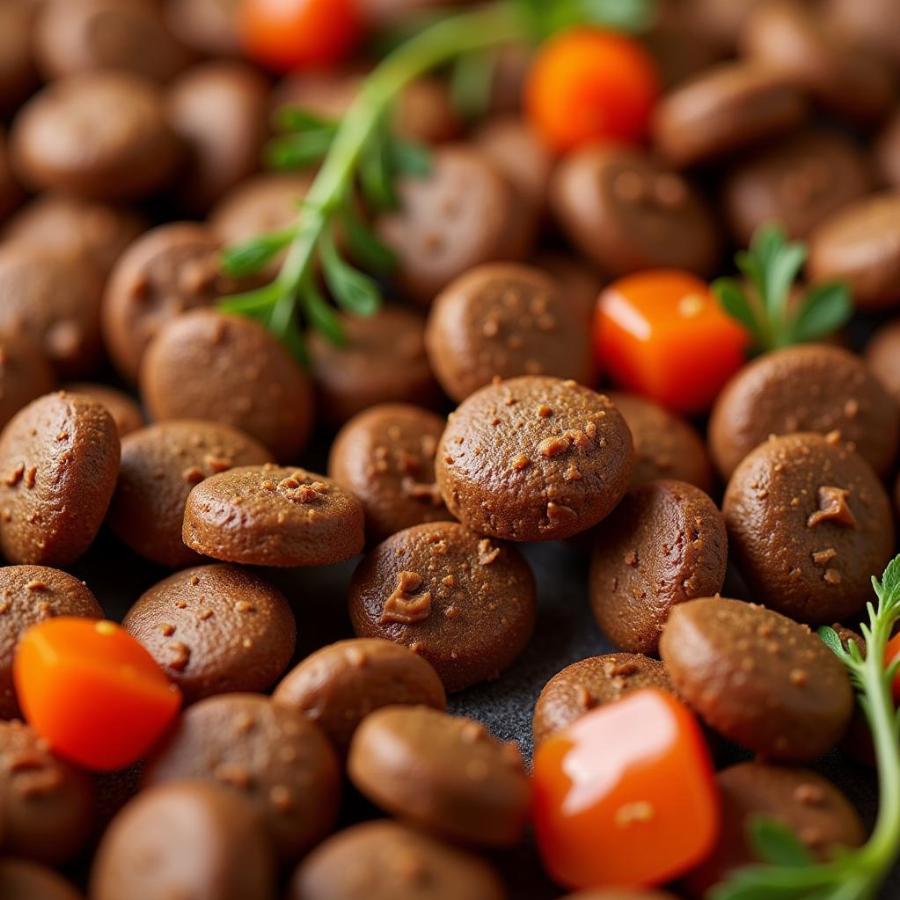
[
  {"x": 161, "y": 465},
  {"x": 534, "y": 459},
  {"x": 25, "y": 374},
  {"x": 215, "y": 629},
  {"x": 447, "y": 774},
  {"x": 665, "y": 543},
  {"x": 125, "y": 411},
  {"x": 466, "y": 603},
  {"x": 808, "y": 523},
  {"x": 59, "y": 459},
  {"x": 273, "y": 516},
  {"x": 757, "y": 677},
  {"x": 338, "y": 686},
  {"x": 269, "y": 754}
]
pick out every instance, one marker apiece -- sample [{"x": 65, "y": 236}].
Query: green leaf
[
  {"x": 298, "y": 151},
  {"x": 410, "y": 158},
  {"x": 321, "y": 315},
  {"x": 781, "y": 270},
  {"x": 376, "y": 173},
  {"x": 775, "y": 843},
  {"x": 889, "y": 586},
  {"x": 364, "y": 247},
  {"x": 294, "y": 118},
  {"x": 825, "y": 309},
  {"x": 249, "y": 258},
  {"x": 471, "y": 82},
  {"x": 351, "y": 289},
  {"x": 260, "y": 300},
  {"x": 733, "y": 300},
  {"x": 832, "y": 640},
  {"x": 547, "y": 17}
]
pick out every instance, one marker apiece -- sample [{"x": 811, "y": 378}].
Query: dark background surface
[{"x": 565, "y": 632}]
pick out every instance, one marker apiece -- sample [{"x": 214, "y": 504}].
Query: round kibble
[
  {"x": 30, "y": 881},
  {"x": 444, "y": 773},
  {"x": 665, "y": 543},
  {"x": 815, "y": 388},
  {"x": 579, "y": 282},
  {"x": 271, "y": 516},
  {"x": 385, "y": 457},
  {"x": 665, "y": 445},
  {"x": 534, "y": 459},
  {"x": 724, "y": 109},
  {"x": 339, "y": 685},
  {"x": 48, "y": 805},
  {"x": 464, "y": 602},
  {"x": 590, "y": 683},
  {"x": 215, "y": 629},
  {"x": 124, "y": 410},
  {"x": 382, "y": 360},
  {"x": 132, "y": 153},
  {"x": 18, "y": 76},
  {"x": 271, "y": 755},
  {"x": 25, "y": 374},
  {"x": 627, "y": 212},
  {"x": 860, "y": 245},
  {"x": 28, "y": 595},
  {"x": 389, "y": 861},
  {"x": 168, "y": 271},
  {"x": 501, "y": 320},
  {"x": 883, "y": 358},
  {"x": 184, "y": 840},
  {"x": 206, "y": 26},
  {"x": 808, "y": 524},
  {"x": 758, "y": 678},
  {"x": 161, "y": 465},
  {"x": 810, "y": 806},
  {"x": 59, "y": 459},
  {"x": 54, "y": 301},
  {"x": 249, "y": 379}
]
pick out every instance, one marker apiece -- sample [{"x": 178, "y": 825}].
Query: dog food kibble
[
  {"x": 169, "y": 270},
  {"x": 883, "y": 357},
  {"x": 249, "y": 380},
  {"x": 133, "y": 151},
  {"x": 806, "y": 388},
  {"x": 665, "y": 445},
  {"x": 860, "y": 245},
  {"x": 48, "y": 805},
  {"x": 808, "y": 522},
  {"x": 626, "y": 212},
  {"x": 466, "y": 603},
  {"x": 811, "y": 807},
  {"x": 125, "y": 411},
  {"x": 160, "y": 466},
  {"x": 271, "y": 516},
  {"x": 18, "y": 77},
  {"x": 268, "y": 753},
  {"x": 339, "y": 685},
  {"x": 59, "y": 460},
  {"x": 725, "y": 109},
  {"x": 758, "y": 678},
  {"x": 184, "y": 840},
  {"x": 501, "y": 320},
  {"x": 534, "y": 459},
  {"x": 206, "y": 26},
  {"x": 665, "y": 543},
  {"x": 25, "y": 374},
  {"x": 385, "y": 457},
  {"x": 30, "y": 881},
  {"x": 590, "y": 683},
  {"x": 55, "y": 301},
  {"x": 444, "y": 773},
  {"x": 215, "y": 629},
  {"x": 30, "y": 594},
  {"x": 382, "y": 360},
  {"x": 385, "y": 860}
]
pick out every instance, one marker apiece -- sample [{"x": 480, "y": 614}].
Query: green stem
[{"x": 499, "y": 23}]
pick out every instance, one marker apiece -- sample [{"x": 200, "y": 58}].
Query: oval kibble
[
  {"x": 271, "y": 516},
  {"x": 125, "y": 411},
  {"x": 215, "y": 629},
  {"x": 29, "y": 881},
  {"x": 25, "y": 375},
  {"x": 758, "y": 678}
]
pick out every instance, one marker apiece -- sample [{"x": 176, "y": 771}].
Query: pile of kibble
[{"x": 194, "y": 753}]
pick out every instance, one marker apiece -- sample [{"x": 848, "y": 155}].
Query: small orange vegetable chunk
[
  {"x": 625, "y": 796},
  {"x": 299, "y": 34},
  {"x": 662, "y": 334},
  {"x": 588, "y": 86},
  {"x": 92, "y": 691}
]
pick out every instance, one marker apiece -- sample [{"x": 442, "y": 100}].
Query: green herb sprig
[
  {"x": 331, "y": 245},
  {"x": 788, "y": 871},
  {"x": 771, "y": 267}
]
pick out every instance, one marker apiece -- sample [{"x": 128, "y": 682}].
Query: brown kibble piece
[
  {"x": 270, "y": 754},
  {"x": 339, "y": 685},
  {"x": 124, "y": 410},
  {"x": 25, "y": 374},
  {"x": 29, "y": 881},
  {"x": 732, "y": 662},
  {"x": 59, "y": 459},
  {"x": 479, "y": 616},
  {"x": 444, "y": 773},
  {"x": 215, "y": 629},
  {"x": 271, "y": 516}
]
